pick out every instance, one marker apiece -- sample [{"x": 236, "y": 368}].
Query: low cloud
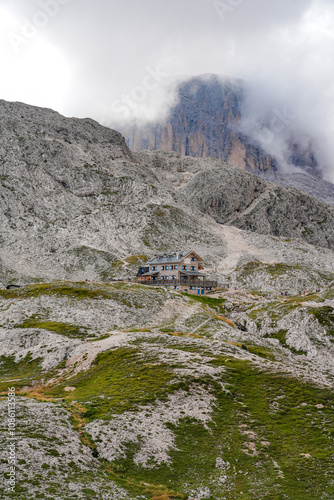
[{"x": 116, "y": 60}]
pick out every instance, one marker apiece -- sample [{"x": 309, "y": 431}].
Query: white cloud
[{"x": 93, "y": 54}]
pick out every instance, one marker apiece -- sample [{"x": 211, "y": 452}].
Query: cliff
[{"x": 205, "y": 123}]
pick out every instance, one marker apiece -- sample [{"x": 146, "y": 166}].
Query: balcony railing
[{"x": 197, "y": 283}]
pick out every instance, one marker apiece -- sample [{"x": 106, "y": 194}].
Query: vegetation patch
[
  {"x": 281, "y": 336},
  {"x": 263, "y": 427},
  {"x": 272, "y": 269},
  {"x": 66, "y": 329},
  {"x": 21, "y": 371},
  {"x": 117, "y": 381},
  {"x": 76, "y": 291},
  {"x": 79, "y": 291},
  {"x": 325, "y": 317},
  {"x": 208, "y": 301},
  {"x": 257, "y": 350},
  {"x": 136, "y": 259}
]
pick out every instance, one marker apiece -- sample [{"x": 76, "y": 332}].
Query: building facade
[{"x": 181, "y": 271}]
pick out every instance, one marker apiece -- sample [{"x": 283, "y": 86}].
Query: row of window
[
  {"x": 168, "y": 277},
  {"x": 172, "y": 268},
  {"x": 165, "y": 268}
]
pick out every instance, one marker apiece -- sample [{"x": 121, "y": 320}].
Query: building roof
[
  {"x": 153, "y": 273},
  {"x": 171, "y": 257}
]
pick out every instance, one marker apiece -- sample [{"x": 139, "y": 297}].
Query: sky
[{"x": 118, "y": 60}]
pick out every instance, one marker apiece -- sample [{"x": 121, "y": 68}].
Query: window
[
  {"x": 162, "y": 268},
  {"x": 154, "y": 268},
  {"x": 184, "y": 268},
  {"x": 161, "y": 277},
  {"x": 171, "y": 268},
  {"x": 193, "y": 268},
  {"x": 175, "y": 267},
  {"x": 193, "y": 259},
  {"x": 167, "y": 268}
]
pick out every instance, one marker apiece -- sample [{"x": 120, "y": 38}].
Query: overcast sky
[{"x": 109, "y": 59}]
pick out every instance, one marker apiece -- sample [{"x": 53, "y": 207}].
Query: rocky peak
[{"x": 205, "y": 123}]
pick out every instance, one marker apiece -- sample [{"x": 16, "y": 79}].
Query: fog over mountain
[
  {"x": 113, "y": 61},
  {"x": 210, "y": 118}
]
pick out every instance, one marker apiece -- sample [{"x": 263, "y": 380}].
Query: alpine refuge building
[{"x": 178, "y": 271}]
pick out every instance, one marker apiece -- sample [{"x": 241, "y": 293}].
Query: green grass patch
[
  {"x": 66, "y": 329},
  {"x": 102, "y": 337},
  {"x": 260, "y": 351},
  {"x": 121, "y": 293},
  {"x": 281, "y": 336},
  {"x": 208, "y": 301},
  {"x": 76, "y": 291},
  {"x": 278, "y": 269},
  {"x": 117, "y": 381},
  {"x": 258, "y": 422},
  {"x": 136, "y": 260},
  {"x": 21, "y": 371},
  {"x": 325, "y": 317}
]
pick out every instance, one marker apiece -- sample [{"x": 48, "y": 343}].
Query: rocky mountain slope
[
  {"x": 205, "y": 123},
  {"x": 75, "y": 202},
  {"x": 315, "y": 186},
  {"x": 129, "y": 392},
  {"x": 235, "y": 197}
]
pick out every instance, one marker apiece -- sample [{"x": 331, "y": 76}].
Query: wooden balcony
[{"x": 190, "y": 282}]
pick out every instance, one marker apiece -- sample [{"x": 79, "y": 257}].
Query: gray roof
[
  {"x": 148, "y": 274},
  {"x": 169, "y": 258}
]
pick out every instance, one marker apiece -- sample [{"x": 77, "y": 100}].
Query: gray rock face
[
  {"x": 320, "y": 189},
  {"x": 235, "y": 197},
  {"x": 57, "y": 448},
  {"x": 244, "y": 201}
]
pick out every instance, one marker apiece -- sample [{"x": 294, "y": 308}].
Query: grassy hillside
[{"x": 128, "y": 392}]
